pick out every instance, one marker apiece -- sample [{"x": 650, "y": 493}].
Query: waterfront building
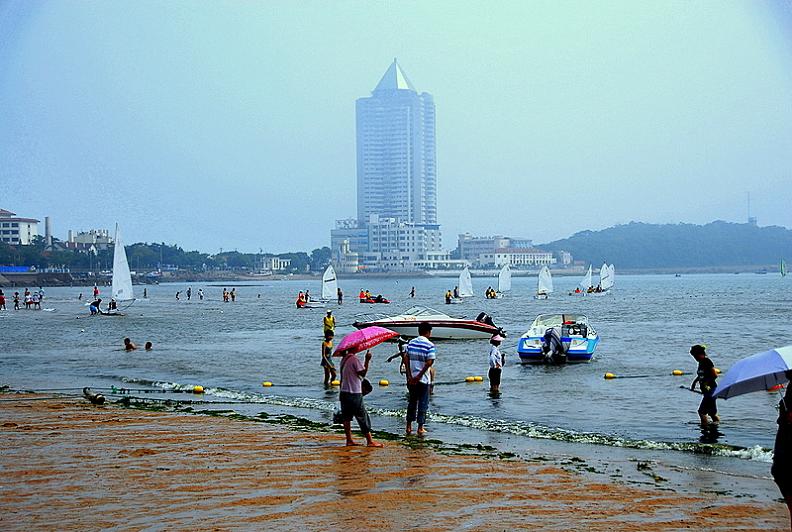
[
  {"x": 17, "y": 231},
  {"x": 96, "y": 239},
  {"x": 396, "y": 161},
  {"x": 470, "y": 247},
  {"x": 396, "y": 227},
  {"x": 518, "y": 258}
]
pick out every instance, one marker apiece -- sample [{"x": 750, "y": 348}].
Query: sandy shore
[{"x": 69, "y": 465}]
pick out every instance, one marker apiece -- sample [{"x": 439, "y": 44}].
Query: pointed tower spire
[{"x": 394, "y": 79}]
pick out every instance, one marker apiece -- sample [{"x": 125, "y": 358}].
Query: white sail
[
  {"x": 545, "y": 283},
  {"x": 606, "y": 277},
  {"x": 585, "y": 284},
  {"x": 465, "y": 284},
  {"x": 329, "y": 284},
  {"x": 122, "y": 278},
  {"x": 504, "y": 279}
]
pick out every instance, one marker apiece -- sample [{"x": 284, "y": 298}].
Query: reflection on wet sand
[{"x": 70, "y": 465}]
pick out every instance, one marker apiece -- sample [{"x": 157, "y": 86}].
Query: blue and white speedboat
[{"x": 578, "y": 338}]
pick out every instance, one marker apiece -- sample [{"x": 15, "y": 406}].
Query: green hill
[{"x": 717, "y": 244}]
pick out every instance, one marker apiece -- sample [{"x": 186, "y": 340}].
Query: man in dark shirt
[
  {"x": 705, "y": 377},
  {"x": 782, "y": 450}
]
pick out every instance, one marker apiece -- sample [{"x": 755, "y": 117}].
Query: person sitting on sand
[
  {"x": 128, "y": 345},
  {"x": 149, "y": 346},
  {"x": 351, "y": 397}
]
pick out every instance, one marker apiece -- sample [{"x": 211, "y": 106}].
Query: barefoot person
[
  {"x": 496, "y": 362},
  {"x": 421, "y": 354},
  {"x": 129, "y": 345},
  {"x": 705, "y": 377},
  {"x": 351, "y": 397},
  {"x": 782, "y": 450},
  {"x": 327, "y": 361}
]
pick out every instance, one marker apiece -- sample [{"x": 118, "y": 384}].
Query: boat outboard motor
[
  {"x": 485, "y": 318},
  {"x": 553, "y": 348}
]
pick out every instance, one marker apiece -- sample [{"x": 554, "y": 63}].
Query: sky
[{"x": 231, "y": 125}]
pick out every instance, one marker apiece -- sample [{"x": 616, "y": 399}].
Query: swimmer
[{"x": 129, "y": 345}]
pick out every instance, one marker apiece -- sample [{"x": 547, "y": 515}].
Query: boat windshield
[
  {"x": 422, "y": 311},
  {"x": 554, "y": 320}
]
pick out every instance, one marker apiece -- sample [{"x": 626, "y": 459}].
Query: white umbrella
[{"x": 758, "y": 372}]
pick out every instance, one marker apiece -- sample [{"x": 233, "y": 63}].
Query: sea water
[{"x": 646, "y": 324}]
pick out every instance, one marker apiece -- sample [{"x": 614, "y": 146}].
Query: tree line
[{"x": 145, "y": 256}]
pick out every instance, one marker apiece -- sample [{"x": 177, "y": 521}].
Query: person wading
[
  {"x": 351, "y": 397},
  {"x": 705, "y": 377},
  {"x": 496, "y": 363},
  {"x": 327, "y": 361},
  {"x": 329, "y": 323},
  {"x": 782, "y": 450},
  {"x": 421, "y": 354}
]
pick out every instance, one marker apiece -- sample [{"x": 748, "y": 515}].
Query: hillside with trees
[{"x": 714, "y": 245}]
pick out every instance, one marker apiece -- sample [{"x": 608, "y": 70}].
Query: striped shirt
[{"x": 419, "y": 350}]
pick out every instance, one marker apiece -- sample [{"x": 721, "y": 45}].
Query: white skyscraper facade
[
  {"x": 396, "y": 226},
  {"x": 396, "y": 162}
]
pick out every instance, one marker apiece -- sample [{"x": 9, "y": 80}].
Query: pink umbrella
[{"x": 364, "y": 339}]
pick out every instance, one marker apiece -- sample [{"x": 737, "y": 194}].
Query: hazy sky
[{"x": 231, "y": 124}]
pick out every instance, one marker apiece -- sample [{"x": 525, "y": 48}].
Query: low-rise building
[
  {"x": 275, "y": 264},
  {"x": 471, "y": 247},
  {"x": 17, "y": 231},
  {"x": 516, "y": 257},
  {"x": 93, "y": 239}
]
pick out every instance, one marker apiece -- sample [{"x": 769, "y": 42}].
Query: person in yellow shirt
[{"x": 329, "y": 322}]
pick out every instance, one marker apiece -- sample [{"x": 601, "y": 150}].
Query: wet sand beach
[{"x": 70, "y": 465}]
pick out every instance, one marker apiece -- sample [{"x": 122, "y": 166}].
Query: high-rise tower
[{"x": 396, "y": 164}]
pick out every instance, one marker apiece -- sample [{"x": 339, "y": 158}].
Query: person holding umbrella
[
  {"x": 705, "y": 377},
  {"x": 351, "y": 396},
  {"x": 782, "y": 450}
]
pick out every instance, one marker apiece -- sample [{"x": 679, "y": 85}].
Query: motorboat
[
  {"x": 444, "y": 327},
  {"x": 578, "y": 339}
]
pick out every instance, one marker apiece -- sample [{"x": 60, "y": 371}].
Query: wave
[{"x": 517, "y": 428}]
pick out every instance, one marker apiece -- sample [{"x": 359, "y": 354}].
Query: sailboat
[
  {"x": 585, "y": 284},
  {"x": 607, "y": 274},
  {"x": 544, "y": 285},
  {"x": 122, "y": 291},
  {"x": 465, "y": 284},
  {"x": 782, "y": 268},
  {"x": 504, "y": 280},
  {"x": 329, "y": 285}
]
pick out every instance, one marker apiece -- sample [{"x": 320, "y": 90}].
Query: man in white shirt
[
  {"x": 421, "y": 354},
  {"x": 496, "y": 362}
]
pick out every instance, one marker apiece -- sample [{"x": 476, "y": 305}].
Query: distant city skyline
[{"x": 232, "y": 124}]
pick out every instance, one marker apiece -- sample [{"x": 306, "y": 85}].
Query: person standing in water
[
  {"x": 233, "y": 295},
  {"x": 421, "y": 353},
  {"x": 189, "y": 293},
  {"x": 782, "y": 450},
  {"x": 327, "y": 361},
  {"x": 2, "y": 300},
  {"x": 705, "y": 377},
  {"x": 340, "y": 296},
  {"x": 496, "y": 363},
  {"x": 412, "y": 292},
  {"x": 351, "y": 397},
  {"x": 177, "y": 295},
  {"x": 200, "y": 294},
  {"x": 329, "y": 322},
  {"x": 145, "y": 294}
]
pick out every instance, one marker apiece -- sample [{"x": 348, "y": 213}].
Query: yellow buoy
[
  {"x": 478, "y": 378},
  {"x": 266, "y": 384},
  {"x": 336, "y": 383},
  {"x": 198, "y": 389},
  {"x": 610, "y": 376},
  {"x": 470, "y": 379},
  {"x": 384, "y": 382},
  {"x": 677, "y": 372},
  {"x": 717, "y": 370}
]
